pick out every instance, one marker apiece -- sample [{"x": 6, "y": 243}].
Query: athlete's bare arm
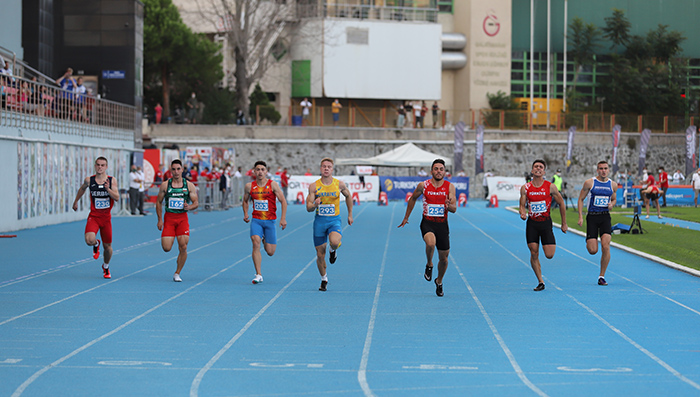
[
  {"x": 613, "y": 198},
  {"x": 81, "y": 191},
  {"x": 246, "y": 199},
  {"x": 159, "y": 203},
  {"x": 554, "y": 191},
  {"x": 348, "y": 199},
  {"x": 412, "y": 202},
  {"x": 112, "y": 188},
  {"x": 193, "y": 197},
  {"x": 312, "y": 202},
  {"x": 587, "y": 186},
  {"x": 452, "y": 199},
  {"x": 523, "y": 203},
  {"x": 283, "y": 201}
]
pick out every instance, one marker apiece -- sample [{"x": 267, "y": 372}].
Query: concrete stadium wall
[{"x": 506, "y": 153}]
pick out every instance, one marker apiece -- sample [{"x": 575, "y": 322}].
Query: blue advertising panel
[
  {"x": 113, "y": 74},
  {"x": 396, "y": 187},
  {"x": 675, "y": 195}
]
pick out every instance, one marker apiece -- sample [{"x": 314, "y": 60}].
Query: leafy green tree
[
  {"x": 258, "y": 98},
  {"x": 176, "y": 60},
  {"x": 617, "y": 28},
  {"x": 583, "y": 41}
]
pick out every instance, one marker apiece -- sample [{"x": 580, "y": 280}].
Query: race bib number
[
  {"x": 175, "y": 203},
  {"x": 101, "y": 203},
  {"x": 436, "y": 210},
  {"x": 260, "y": 205},
  {"x": 326, "y": 209},
  {"x": 538, "y": 207},
  {"x": 601, "y": 201}
]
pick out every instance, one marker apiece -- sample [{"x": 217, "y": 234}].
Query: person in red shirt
[
  {"x": 535, "y": 203},
  {"x": 103, "y": 193},
  {"x": 663, "y": 183},
  {"x": 652, "y": 193},
  {"x": 284, "y": 181},
  {"x": 439, "y": 197}
]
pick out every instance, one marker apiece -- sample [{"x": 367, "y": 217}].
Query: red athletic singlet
[
  {"x": 264, "y": 201},
  {"x": 539, "y": 200},
  {"x": 434, "y": 198}
]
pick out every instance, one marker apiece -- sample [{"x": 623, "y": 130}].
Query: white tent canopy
[{"x": 408, "y": 155}]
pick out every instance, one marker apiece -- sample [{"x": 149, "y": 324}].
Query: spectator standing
[
  {"x": 240, "y": 117},
  {"x": 436, "y": 108},
  {"x": 423, "y": 112},
  {"x": 422, "y": 172},
  {"x": 308, "y": 172},
  {"x": 134, "y": 184},
  {"x": 695, "y": 183},
  {"x": 335, "y": 111},
  {"x": 663, "y": 183},
  {"x": 225, "y": 187},
  {"x": 401, "y": 120},
  {"x": 678, "y": 177},
  {"x": 305, "y": 111},
  {"x": 158, "y": 177},
  {"x": 192, "y": 106},
  {"x": 408, "y": 107},
  {"x": 159, "y": 113},
  {"x": 416, "y": 115},
  {"x": 67, "y": 83},
  {"x": 142, "y": 190},
  {"x": 79, "y": 98}
]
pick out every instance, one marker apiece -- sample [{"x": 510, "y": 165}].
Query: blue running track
[{"x": 378, "y": 330}]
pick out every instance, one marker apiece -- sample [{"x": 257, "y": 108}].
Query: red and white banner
[{"x": 369, "y": 191}]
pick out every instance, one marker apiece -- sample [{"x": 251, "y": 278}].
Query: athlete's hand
[
  {"x": 75, "y": 206},
  {"x": 349, "y": 220},
  {"x": 580, "y": 221},
  {"x": 564, "y": 227},
  {"x": 185, "y": 206},
  {"x": 246, "y": 219},
  {"x": 160, "y": 224},
  {"x": 283, "y": 223},
  {"x": 317, "y": 202},
  {"x": 523, "y": 215},
  {"x": 404, "y": 222}
]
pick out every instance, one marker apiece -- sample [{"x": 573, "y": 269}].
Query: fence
[
  {"x": 211, "y": 198},
  {"x": 372, "y": 12},
  {"x": 33, "y": 105}
]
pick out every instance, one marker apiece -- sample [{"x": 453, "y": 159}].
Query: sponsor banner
[
  {"x": 646, "y": 135},
  {"x": 396, "y": 187},
  {"x": 363, "y": 169},
  {"x": 675, "y": 196},
  {"x": 506, "y": 188},
  {"x": 690, "y": 159},
  {"x": 616, "y": 143},
  {"x": 369, "y": 191},
  {"x": 570, "y": 147},
  {"x": 459, "y": 147},
  {"x": 479, "y": 164}
]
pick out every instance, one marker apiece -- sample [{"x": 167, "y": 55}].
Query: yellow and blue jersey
[{"x": 330, "y": 198}]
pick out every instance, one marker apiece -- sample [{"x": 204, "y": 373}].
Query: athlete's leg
[
  {"x": 270, "y": 249},
  {"x": 321, "y": 259},
  {"x": 605, "y": 253},
  {"x": 658, "y": 210},
  {"x": 182, "y": 247},
  {"x": 257, "y": 257},
  {"x": 535, "y": 260},
  {"x": 592, "y": 245},
  {"x": 167, "y": 243},
  {"x": 334, "y": 240},
  {"x": 442, "y": 264},
  {"x": 91, "y": 239},
  {"x": 430, "y": 241},
  {"x": 107, "y": 255},
  {"x": 549, "y": 250}
]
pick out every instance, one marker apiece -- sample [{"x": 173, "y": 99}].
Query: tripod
[{"x": 636, "y": 226}]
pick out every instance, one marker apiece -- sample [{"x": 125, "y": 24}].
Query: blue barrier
[{"x": 396, "y": 187}]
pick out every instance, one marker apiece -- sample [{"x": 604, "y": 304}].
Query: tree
[
  {"x": 258, "y": 99},
  {"x": 584, "y": 41},
  {"x": 176, "y": 61},
  {"x": 617, "y": 28},
  {"x": 254, "y": 29}
]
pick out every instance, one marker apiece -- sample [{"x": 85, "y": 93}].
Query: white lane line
[
  {"x": 36, "y": 375},
  {"x": 69, "y": 265},
  {"x": 497, "y": 335},
  {"x": 638, "y": 346},
  {"x": 109, "y": 282},
  {"x": 362, "y": 372},
  {"x": 194, "y": 388}
]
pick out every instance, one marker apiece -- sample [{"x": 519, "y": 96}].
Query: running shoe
[
  {"x": 323, "y": 285},
  {"x": 438, "y": 289},
  {"x": 96, "y": 250},
  {"x": 176, "y": 278},
  {"x": 601, "y": 281},
  {"x": 428, "y": 273},
  {"x": 106, "y": 273},
  {"x": 258, "y": 279},
  {"x": 661, "y": 217},
  {"x": 333, "y": 256},
  {"x": 646, "y": 217},
  {"x": 539, "y": 287}
]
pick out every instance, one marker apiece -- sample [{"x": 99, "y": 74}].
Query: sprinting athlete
[
  {"x": 103, "y": 193},
  {"x": 438, "y": 198},
  {"x": 180, "y": 196},
  {"x": 264, "y": 194},
  {"x": 535, "y": 202},
  {"x": 603, "y": 195},
  {"x": 324, "y": 198}
]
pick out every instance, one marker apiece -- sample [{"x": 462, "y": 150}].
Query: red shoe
[
  {"x": 96, "y": 250},
  {"x": 106, "y": 272}
]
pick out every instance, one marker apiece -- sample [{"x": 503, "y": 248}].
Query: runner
[
  {"x": 438, "y": 196},
  {"x": 103, "y": 193},
  {"x": 535, "y": 202},
  {"x": 264, "y": 193},
  {"x": 603, "y": 196},
  {"x": 324, "y": 198},
  {"x": 180, "y": 196}
]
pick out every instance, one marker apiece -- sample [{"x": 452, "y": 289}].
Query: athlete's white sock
[
  {"x": 105, "y": 265},
  {"x": 324, "y": 277}
]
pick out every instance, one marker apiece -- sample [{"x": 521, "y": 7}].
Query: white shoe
[
  {"x": 176, "y": 278},
  {"x": 258, "y": 279},
  {"x": 647, "y": 216},
  {"x": 661, "y": 217}
]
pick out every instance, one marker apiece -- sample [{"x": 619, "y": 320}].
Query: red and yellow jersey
[
  {"x": 539, "y": 201},
  {"x": 435, "y": 201},
  {"x": 264, "y": 201},
  {"x": 330, "y": 198}
]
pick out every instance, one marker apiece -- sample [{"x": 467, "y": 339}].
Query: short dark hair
[
  {"x": 176, "y": 161},
  {"x": 437, "y": 161},
  {"x": 101, "y": 158},
  {"x": 541, "y": 162},
  {"x": 260, "y": 162},
  {"x": 602, "y": 162}
]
